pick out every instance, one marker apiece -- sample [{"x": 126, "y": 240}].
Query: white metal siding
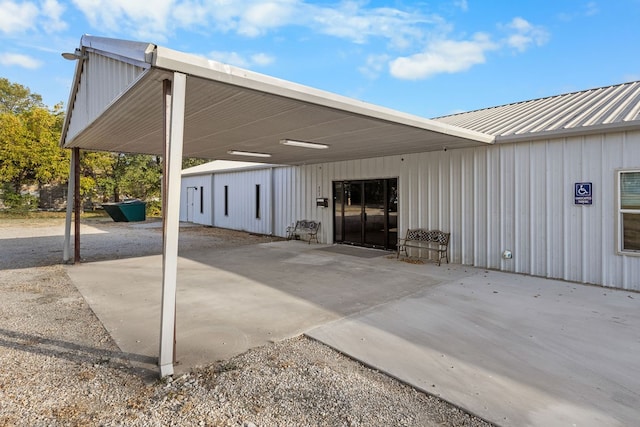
[
  {"x": 516, "y": 197},
  {"x": 102, "y": 81},
  {"x": 201, "y": 214},
  {"x": 242, "y": 200}
]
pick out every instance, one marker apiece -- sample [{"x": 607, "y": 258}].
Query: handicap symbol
[{"x": 581, "y": 191}]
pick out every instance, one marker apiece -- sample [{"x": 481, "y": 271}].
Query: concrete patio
[{"x": 513, "y": 349}]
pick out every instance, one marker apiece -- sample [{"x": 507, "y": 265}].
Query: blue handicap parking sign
[{"x": 583, "y": 193}]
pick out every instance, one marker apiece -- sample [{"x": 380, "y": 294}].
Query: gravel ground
[{"x": 61, "y": 368}]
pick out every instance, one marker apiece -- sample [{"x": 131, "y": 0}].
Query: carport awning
[
  {"x": 141, "y": 98},
  {"x": 116, "y": 105}
]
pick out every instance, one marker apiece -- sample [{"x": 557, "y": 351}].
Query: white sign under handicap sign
[{"x": 583, "y": 193}]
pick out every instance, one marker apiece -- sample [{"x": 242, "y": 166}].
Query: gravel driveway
[{"x": 61, "y": 367}]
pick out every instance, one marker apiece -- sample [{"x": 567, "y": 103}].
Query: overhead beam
[{"x": 174, "y": 94}]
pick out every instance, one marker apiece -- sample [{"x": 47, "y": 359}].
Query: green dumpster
[{"x": 127, "y": 211}]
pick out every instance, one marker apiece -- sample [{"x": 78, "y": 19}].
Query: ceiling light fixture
[
  {"x": 248, "y": 153},
  {"x": 303, "y": 144}
]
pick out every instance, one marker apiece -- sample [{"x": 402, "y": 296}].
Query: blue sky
[{"x": 428, "y": 58}]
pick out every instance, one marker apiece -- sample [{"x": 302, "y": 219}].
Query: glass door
[
  {"x": 365, "y": 212},
  {"x": 374, "y": 218}
]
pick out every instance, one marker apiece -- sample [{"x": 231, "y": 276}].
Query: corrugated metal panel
[
  {"x": 242, "y": 208},
  {"x": 102, "y": 81},
  {"x": 191, "y": 209},
  {"x": 512, "y": 196},
  {"x": 612, "y": 105}
]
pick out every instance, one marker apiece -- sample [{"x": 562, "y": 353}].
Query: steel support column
[
  {"x": 66, "y": 251},
  {"x": 174, "y": 106}
]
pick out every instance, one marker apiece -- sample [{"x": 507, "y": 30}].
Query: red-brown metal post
[{"x": 76, "y": 207}]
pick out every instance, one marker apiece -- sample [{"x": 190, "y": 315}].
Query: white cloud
[
  {"x": 462, "y": 4},
  {"x": 591, "y": 9},
  {"x": 350, "y": 20},
  {"x": 138, "y": 17},
  {"x": 374, "y": 66},
  {"x": 353, "y": 22},
  {"x": 17, "y": 59},
  {"x": 17, "y": 17},
  {"x": 524, "y": 34},
  {"x": 234, "y": 58},
  {"x": 263, "y": 16},
  {"x": 52, "y": 11},
  {"x": 262, "y": 59},
  {"x": 443, "y": 56}
]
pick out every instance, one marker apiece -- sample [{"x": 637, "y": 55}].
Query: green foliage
[
  {"x": 17, "y": 99},
  {"x": 17, "y": 202},
  {"x": 154, "y": 208},
  {"x": 30, "y": 154},
  {"x": 29, "y": 139},
  {"x": 117, "y": 176},
  {"x": 191, "y": 162}
]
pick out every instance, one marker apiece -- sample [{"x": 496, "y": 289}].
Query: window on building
[
  {"x": 629, "y": 210},
  {"x": 257, "y": 201},
  {"x": 226, "y": 200},
  {"x": 201, "y": 200}
]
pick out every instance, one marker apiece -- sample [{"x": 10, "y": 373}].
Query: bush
[
  {"x": 154, "y": 208},
  {"x": 19, "y": 202}
]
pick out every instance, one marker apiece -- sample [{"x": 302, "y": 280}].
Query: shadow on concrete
[{"x": 76, "y": 353}]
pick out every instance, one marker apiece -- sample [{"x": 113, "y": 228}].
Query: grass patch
[{"x": 12, "y": 214}]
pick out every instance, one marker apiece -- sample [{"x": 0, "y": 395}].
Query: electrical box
[{"x": 322, "y": 202}]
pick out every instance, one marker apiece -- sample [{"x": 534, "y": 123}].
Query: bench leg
[{"x": 402, "y": 248}]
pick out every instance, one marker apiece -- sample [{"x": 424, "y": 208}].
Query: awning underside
[{"x": 220, "y": 117}]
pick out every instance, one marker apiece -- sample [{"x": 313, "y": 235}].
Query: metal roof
[
  {"x": 116, "y": 105},
  {"x": 606, "y": 108}
]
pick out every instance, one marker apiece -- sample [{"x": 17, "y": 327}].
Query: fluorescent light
[
  {"x": 248, "y": 153},
  {"x": 303, "y": 144}
]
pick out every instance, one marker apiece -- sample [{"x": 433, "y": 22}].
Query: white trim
[
  {"x": 169, "y": 59},
  {"x": 618, "y": 215},
  {"x": 172, "y": 224}
]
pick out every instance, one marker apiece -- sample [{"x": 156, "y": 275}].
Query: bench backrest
[
  {"x": 422, "y": 235},
  {"x": 307, "y": 224}
]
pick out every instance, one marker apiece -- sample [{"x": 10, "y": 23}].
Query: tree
[
  {"x": 29, "y": 146},
  {"x": 15, "y": 98}
]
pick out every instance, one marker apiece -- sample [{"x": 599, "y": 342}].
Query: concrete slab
[
  {"x": 512, "y": 349},
  {"x": 234, "y": 299},
  {"x": 515, "y": 350}
]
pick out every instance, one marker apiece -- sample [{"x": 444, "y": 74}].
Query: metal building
[
  {"x": 520, "y": 196},
  {"x": 554, "y": 182}
]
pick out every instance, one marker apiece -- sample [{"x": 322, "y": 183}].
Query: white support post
[
  {"x": 66, "y": 251},
  {"x": 174, "y": 97}
]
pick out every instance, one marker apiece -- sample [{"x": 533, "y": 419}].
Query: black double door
[{"x": 366, "y": 212}]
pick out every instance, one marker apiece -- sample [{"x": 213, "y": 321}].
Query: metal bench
[
  {"x": 429, "y": 240},
  {"x": 302, "y": 228}
]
